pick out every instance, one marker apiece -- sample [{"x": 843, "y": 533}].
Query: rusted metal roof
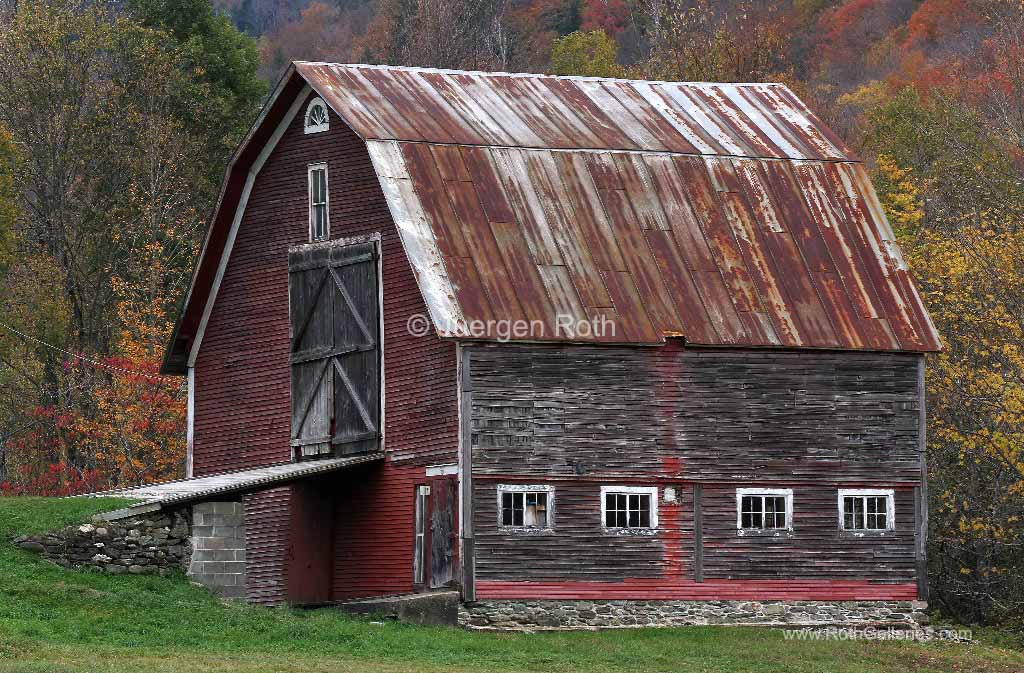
[
  {"x": 723, "y": 213},
  {"x": 727, "y": 214},
  {"x": 544, "y": 112}
]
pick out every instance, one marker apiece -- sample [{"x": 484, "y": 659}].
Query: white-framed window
[
  {"x": 764, "y": 509},
  {"x": 319, "y": 203},
  {"x": 526, "y": 506},
  {"x": 629, "y": 508},
  {"x": 317, "y": 120},
  {"x": 864, "y": 509}
]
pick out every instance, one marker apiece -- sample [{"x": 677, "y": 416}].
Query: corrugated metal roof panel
[
  {"x": 156, "y": 496},
  {"x": 724, "y": 213},
  {"x": 541, "y": 111},
  {"x": 719, "y": 251}
]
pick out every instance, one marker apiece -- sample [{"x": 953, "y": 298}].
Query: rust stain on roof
[
  {"x": 544, "y": 112},
  {"x": 724, "y": 213}
]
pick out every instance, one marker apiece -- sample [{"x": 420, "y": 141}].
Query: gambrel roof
[{"x": 727, "y": 214}]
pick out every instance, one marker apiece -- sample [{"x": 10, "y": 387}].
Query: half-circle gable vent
[{"x": 316, "y": 116}]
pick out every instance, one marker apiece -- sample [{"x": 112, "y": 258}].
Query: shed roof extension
[{"x": 727, "y": 214}]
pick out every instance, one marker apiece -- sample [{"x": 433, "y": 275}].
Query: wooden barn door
[
  {"x": 442, "y": 532},
  {"x": 435, "y": 534},
  {"x": 335, "y": 349}
]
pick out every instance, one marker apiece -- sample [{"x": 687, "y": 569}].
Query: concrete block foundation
[{"x": 218, "y": 547}]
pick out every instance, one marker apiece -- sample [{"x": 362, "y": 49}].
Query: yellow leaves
[{"x": 900, "y": 195}]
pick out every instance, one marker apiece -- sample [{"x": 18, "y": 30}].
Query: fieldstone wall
[
  {"x": 207, "y": 541},
  {"x": 218, "y": 547},
  {"x": 143, "y": 545},
  {"x": 553, "y": 614}
]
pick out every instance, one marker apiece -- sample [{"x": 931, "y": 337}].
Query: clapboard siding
[
  {"x": 578, "y": 547},
  {"x": 373, "y": 528},
  {"x": 266, "y": 545},
  {"x": 580, "y": 417},
  {"x": 695, "y": 413},
  {"x": 815, "y": 548},
  {"x": 242, "y": 397}
]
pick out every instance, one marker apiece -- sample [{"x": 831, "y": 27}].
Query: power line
[{"x": 82, "y": 358}]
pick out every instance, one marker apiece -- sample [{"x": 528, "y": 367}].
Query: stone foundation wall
[
  {"x": 143, "y": 545},
  {"x": 207, "y": 541},
  {"x": 551, "y": 614},
  {"x": 218, "y": 547}
]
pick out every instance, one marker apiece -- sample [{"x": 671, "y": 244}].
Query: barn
[{"x": 587, "y": 351}]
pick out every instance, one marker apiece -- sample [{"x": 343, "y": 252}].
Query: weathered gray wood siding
[{"x": 813, "y": 421}]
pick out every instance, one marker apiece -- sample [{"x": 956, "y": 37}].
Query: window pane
[
  {"x": 776, "y": 505},
  {"x": 541, "y": 510},
  {"x": 628, "y": 510},
  {"x": 321, "y": 184},
  {"x": 876, "y": 512},
  {"x": 848, "y": 518},
  {"x": 752, "y": 511},
  {"x": 320, "y": 220},
  {"x": 506, "y": 509}
]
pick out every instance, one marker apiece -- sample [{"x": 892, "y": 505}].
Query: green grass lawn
[{"x": 58, "y": 620}]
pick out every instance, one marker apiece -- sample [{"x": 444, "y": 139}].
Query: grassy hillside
[{"x": 57, "y": 620}]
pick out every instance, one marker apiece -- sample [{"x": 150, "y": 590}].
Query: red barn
[{"x": 555, "y": 342}]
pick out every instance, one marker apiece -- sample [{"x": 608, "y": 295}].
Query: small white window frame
[
  {"x": 652, "y": 491},
  {"x": 890, "y": 509},
  {"x": 308, "y": 128},
  {"x": 528, "y": 488},
  {"x": 785, "y": 492},
  {"x": 310, "y": 168},
  {"x": 420, "y": 525}
]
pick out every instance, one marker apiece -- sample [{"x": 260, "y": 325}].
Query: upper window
[
  {"x": 526, "y": 507},
  {"x": 866, "y": 510},
  {"x": 629, "y": 507},
  {"x": 316, "y": 117},
  {"x": 764, "y": 509},
  {"x": 319, "y": 223}
]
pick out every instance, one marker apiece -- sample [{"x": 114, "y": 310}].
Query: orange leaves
[
  {"x": 938, "y": 20},
  {"x": 608, "y": 16}
]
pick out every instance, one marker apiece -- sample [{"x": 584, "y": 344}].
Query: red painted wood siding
[
  {"x": 266, "y": 543},
  {"x": 665, "y": 589},
  {"x": 242, "y": 410}
]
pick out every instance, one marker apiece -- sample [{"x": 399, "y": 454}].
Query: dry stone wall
[
  {"x": 555, "y": 614},
  {"x": 206, "y": 541},
  {"x": 155, "y": 544}
]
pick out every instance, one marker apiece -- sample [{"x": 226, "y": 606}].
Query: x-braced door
[{"x": 335, "y": 349}]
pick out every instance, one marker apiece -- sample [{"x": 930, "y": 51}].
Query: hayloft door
[{"x": 334, "y": 309}]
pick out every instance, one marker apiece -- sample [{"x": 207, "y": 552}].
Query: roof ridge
[{"x": 502, "y": 73}]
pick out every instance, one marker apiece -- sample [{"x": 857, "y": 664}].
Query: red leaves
[
  {"x": 610, "y": 16},
  {"x": 55, "y": 480},
  {"x": 937, "y": 20}
]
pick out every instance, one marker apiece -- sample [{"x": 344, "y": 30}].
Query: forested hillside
[{"x": 117, "y": 118}]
